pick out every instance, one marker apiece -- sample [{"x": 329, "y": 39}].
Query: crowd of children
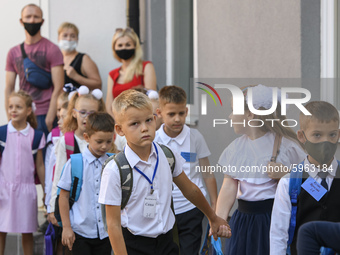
[{"x": 154, "y": 202}]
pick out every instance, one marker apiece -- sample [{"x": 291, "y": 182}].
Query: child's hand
[
  {"x": 52, "y": 219},
  {"x": 276, "y": 170},
  {"x": 68, "y": 237},
  {"x": 219, "y": 228}
]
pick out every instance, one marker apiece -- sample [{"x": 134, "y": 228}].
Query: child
[
  {"x": 145, "y": 224},
  {"x": 81, "y": 104},
  {"x": 193, "y": 148},
  {"x": 320, "y": 134},
  {"x": 316, "y": 234},
  {"x": 83, "y": 229},
  {"x": 52, "y": 139},
  {"x": 18, "y": 195},
  {"x": 255, "y": 190}
]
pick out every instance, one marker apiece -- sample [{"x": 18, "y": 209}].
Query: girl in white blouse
[{"x": 249, "y": 178}]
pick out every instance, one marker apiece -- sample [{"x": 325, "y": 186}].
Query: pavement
[{"x": 13, "y": 240}]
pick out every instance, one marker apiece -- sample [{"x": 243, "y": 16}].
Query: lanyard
[{"x": 154, "y": 172}]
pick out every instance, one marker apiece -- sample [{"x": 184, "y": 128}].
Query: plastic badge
[
  {"x": 314, "y": 188},
  {"x": 189, "y": 156},
  {"x": 150, "y": 206}
]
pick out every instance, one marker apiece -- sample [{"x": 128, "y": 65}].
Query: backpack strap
[
  {"x": 76, "y": 177},
  {"x": 36, "y": 142},
  {"x": 169, "y": 156},
  {"x": 55, "y": 132},
  {"x": 69, "y": 143},
  {"x": 23, "y": 52},
  {"x": 294, "y": 191},
  {"x": 3, "y": 137}
]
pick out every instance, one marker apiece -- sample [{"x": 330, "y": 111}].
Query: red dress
[{"x": 119, "y": 88}]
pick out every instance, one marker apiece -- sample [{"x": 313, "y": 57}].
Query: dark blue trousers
[{"x": 313, "y": 235}]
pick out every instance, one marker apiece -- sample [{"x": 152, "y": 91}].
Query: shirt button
[
  {"x": 97, "y": 180},
  {"x": 97, "y": 207},
  {"x": 98, "y": 220},
  {"x": 97, "y": 194}
]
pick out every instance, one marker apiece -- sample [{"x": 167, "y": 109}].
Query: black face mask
[
  {"x": 32, "y": 28},
  {"x": 125, "y": 54}
]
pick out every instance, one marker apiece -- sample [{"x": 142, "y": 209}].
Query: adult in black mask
[
  {"x": 134, "y": 72},
  {"x": 47, "y": 57}
]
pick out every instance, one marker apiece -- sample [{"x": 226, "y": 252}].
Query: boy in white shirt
[
  {"x": 145, "y": 224},
  {"x": 319, "y": 133},
  {"x": 191, "y": 145},
  {"x": 83, "y": 229}
]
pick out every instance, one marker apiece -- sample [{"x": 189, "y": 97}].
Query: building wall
[
  {"x": 96, "y": 20},
  {"x": 276, "y": 43}
]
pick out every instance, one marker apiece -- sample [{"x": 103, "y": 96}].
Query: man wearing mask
[{"x": 47, "y": 57}]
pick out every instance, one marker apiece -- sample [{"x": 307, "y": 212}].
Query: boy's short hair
[
  {"x": 172, "y": 94},
  {"x": 99, "y": 121},
  {"x": 130, "y": 98},
  {"x": 321, "y": 111}
]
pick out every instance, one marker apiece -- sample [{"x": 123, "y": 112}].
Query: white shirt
[
  {"x": 188, "y": 141},
  {"x": 60, "y": 151},
  {"x": 120, "y": 142},
  {"x": 132, "y": 215},
  {"x": 244, "y": 154},
  {"x": 85, "y": 214},
  {"x": 281, "y": 213},
  {"x": 50, "y": 160}
]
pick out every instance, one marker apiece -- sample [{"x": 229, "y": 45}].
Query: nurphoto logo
[{"x": 238, "y": 99}]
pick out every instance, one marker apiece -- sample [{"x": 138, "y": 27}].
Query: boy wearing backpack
[
  {"x": 83, "y": 229},
  {"x": 191, "y": 145},
  {"x": 144, "y": 225},
  {"x": 311, "y": 191}
]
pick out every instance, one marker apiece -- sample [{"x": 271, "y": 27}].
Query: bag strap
[
  {"x": 276, "y": 147},
  {"x": 295, "y": 182},
  {"x": 69, "y": 143},
  {"x": 76, "y": 177},
  {"x": 56, "y": 132},
  {"x": 3, "y": 137},
  {"x": 169, "y": 156},
  {"x": 36, "y": 142},
  {"x": 23, "y": 52}
]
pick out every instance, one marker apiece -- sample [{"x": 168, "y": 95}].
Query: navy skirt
[{"x": 250, "y": 225}]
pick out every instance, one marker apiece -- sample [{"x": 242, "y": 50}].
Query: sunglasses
[
  {"x": 83, "y": 113},
  {"x": 128, "y": 29}
]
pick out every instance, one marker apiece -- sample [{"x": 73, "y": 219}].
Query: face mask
[
  {"x": 322, "y": 152},
  {"x": 67, "y": 45},
  {"x": 125, "y": 54},
  {"x": 32, "y": 28}
]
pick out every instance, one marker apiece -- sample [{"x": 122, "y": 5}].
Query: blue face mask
[{"x": 322, "y": 152}]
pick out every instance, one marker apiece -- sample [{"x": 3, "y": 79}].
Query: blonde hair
[
  {"x": 130, "y": 98},
  {"x": 66, "y": 25},
  {"x": 31, "y": 119},
  {"x": 274, "y": 126},
  {"x": 70, "y": 123},
  {"x": 136, "y": 65},
  {"x": 321, "y": 111}
]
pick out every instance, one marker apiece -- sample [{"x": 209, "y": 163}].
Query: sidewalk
[{"x": 13, "y": 240}]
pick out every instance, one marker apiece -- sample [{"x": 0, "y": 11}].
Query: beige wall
[
  {"x": 245, "y": 40},
  {"x": 241, "y": 39}
]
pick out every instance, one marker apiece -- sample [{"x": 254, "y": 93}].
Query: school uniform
[
  {"x": 143, "y": 233},
  {"x": 191, "y": 145},
  {"x": 328, "y": 208},
  {"x": 316, "y": 234},
  {"x": 60, "y": 150},
  {"x": 85, "y": 214},
  {"x": 250, "y": 223},
  {"x": 18, "y": 195},
  {"x": 50, "y": 161}
]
